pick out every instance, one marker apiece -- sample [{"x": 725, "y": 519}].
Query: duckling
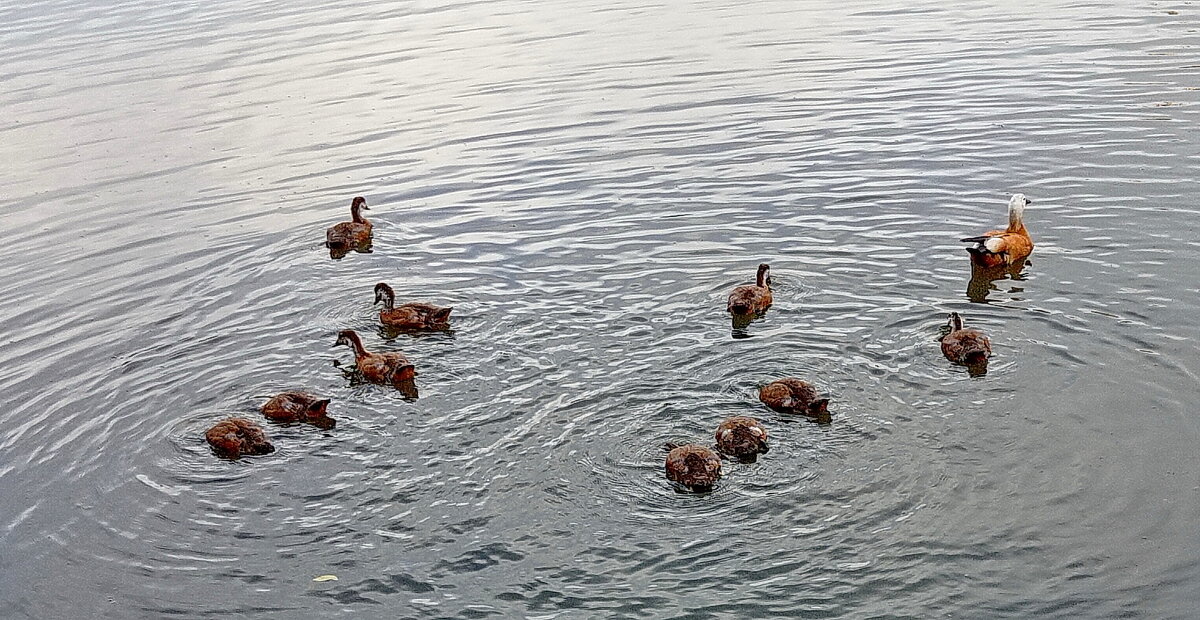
[
  {"x": 742, "y": 437},
  {"x": 411, "y": 315},
  {"x": 965, "y": 346},
  {"x": 792, "y": 395},
  {"x": 353, "y": 234},
  {"x": 695, "y": 467},
  {"x": 1004, "y": 247},
  {"x": 233, "y": 437},
  {"x": 299, "y": 407},
  {"x": 752, "y": 298},
  {"x": 384, "y": 368}
]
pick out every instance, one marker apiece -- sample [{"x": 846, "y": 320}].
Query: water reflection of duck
[
  {"x": 695, "y": 467},
  {"x": 752, "y": 298},
  {"x": 998, "y": 248},
  {"x": 982, "y": 279},
  {"x": 298, "y": 407},
  {"x": 413, "y": 315},
  {"x": 353, "y": 235},
  {"x": 742, "y": 437},
  {"x": 387, "y": 368},
  {"x": 792, "y": 395},
  {"x": 234, "y": 437},
  {"x": 965, "y": 346}
]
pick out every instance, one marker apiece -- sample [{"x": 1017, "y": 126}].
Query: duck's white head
[{"x": 1016, "y": 208}]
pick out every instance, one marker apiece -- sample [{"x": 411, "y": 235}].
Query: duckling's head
[
  {"x": 384, "y": 293},
  {"x": 764, "y": 275},
  {"x": 359, "y": 203},
  {"x": 954, "y": 322},
  {"x": 346, "y": 337}
]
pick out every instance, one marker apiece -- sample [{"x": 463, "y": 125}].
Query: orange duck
[
  {"x": 298, "y": 407},
  {"x": 965, "y": 346},
  {"x": 387, "y": 368},
  {"x": 752, "y": 298},
  {"x": 411, "y": 315},
  {"x": 355, "y": 234},
  {"x": 742, "y": 437},
  {"x": 792, "y": 395},
  {"x": 1002, "y": 248},
  {"x": 233, "y": 437},
  {"x": 695, "y": 467}
]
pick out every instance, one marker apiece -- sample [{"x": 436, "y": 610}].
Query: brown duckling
[
  {"x": 965, "y": 346},
  {"x": 299, "y": 407},
  {"x": 792, "y": 395},
  {"x": 233, "y": 437},
  {"x": 752, "y": 298},
  {"x": 742, "y": 437},
  {"x": 1006, "y": 247},
  {"x": 693, "y": 466},
  {"x": 353, "y": 234},
  {"x": 387, "y": 368},
  {"x": 413, "y": 315}
]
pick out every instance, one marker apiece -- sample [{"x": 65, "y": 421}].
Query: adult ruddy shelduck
[{"x": 1004, "y": 247}]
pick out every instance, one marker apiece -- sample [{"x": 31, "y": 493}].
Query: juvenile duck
[
  {"x": 695, "y": 467},
  {"x": 965, "y": 346},
  {"x": 411, "y": 315},
  {"x": 792, "y": 395},
  {"x": 298, "y": 407},
  {"x": 387, "y": 368},
  {"x": 352, "y": 234},
  {"x": 233, "y": 437},
  {"x": 742, "y": 437},
  {"x": 752, "y": 298},
  {"x": 1004, "y": 247}
]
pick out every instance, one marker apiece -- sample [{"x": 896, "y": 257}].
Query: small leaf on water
[{"x": 326, "y": 578}]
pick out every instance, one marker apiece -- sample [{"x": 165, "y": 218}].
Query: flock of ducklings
[
  {"x": 233, "y": 438},
  {"x": 692, "y": 467}
]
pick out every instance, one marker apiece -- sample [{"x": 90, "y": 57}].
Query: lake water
[{"x": 584, "y": 183}]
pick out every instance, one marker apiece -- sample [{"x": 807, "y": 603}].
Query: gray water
[{"x": 585, "y": 182}]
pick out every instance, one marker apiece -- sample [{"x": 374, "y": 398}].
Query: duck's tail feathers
[{"x": 976, "y": 356}]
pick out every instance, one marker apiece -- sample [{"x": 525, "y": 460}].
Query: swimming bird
[
  {"x": 752, "y": 298},
  {"x": 414, "y": 315},
  {"x": 298, "y": 407},
  {"x": 965, "y": 346},
  {"x": 693, "y": 466},
  {"x": 387, "y": 368},
  {"x": 792, "y": 395},
  {"x": 1004, "y": 247},
  {"x": 233, "y": 437},
  {"x": 742, "y": 437},
  {"x": 353, "y": 234}
]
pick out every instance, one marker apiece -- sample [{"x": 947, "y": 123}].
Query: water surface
[{"x": 585, "y": 183}]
